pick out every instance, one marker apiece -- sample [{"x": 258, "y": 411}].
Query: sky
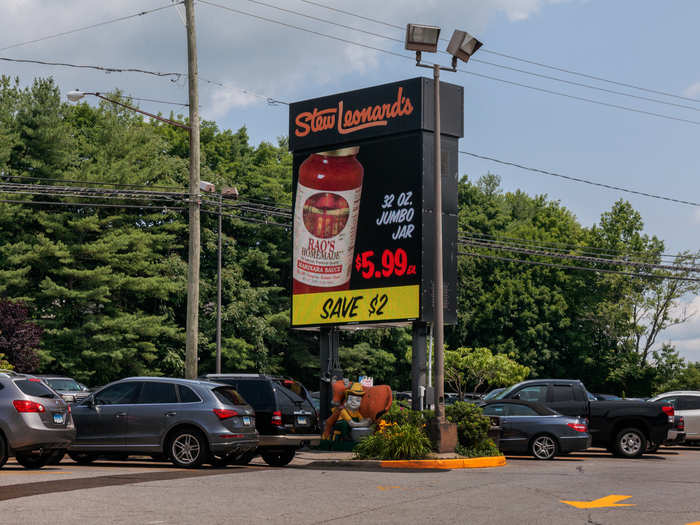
[{"x": 245, "y": 61}]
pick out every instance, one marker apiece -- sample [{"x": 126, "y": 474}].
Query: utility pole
[
  {"x": 194, "y": 248},
  {"x": 218, "y": 291}
]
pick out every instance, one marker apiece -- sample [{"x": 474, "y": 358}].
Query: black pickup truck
[{"x": 624, "y": 427}]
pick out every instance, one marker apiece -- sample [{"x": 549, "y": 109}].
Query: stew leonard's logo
[{"x": 349, "y": 121}]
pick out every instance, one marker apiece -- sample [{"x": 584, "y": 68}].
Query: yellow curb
[{"x": 497, "y": 461}]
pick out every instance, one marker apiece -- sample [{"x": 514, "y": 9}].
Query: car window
[
  {"x": 292, "y": 395},
  {"x": 187, "y": 395},
  {"x": 690, "y": 403},
  {"x": 34, "y": 387},
  {"x": 534, "y": 394},
  {"x": 119, "y": 394},
  {"x": 156, "y": 392},
  {"x": 64, "y": 384},
  {"x": 228, "y": 396},
  {"x": 258, "y": 393},
  {"x": 561, "y": 393},
  {"x": 495, "y": 410},
  {"x": 673, "y": 401},
  {"x": 519, "y": 410}
]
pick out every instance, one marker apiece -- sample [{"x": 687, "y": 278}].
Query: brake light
[
  {"x": 668, "y": 410},
  {"x": 34, "y": 380},
  {"x": 288, "y": 382},
  {"x": 22, "y": 405},
  {"x": 230, "y": 436},
  {"x": 578, "y": 427},
  {"x": 681, "y": 423},
  {"x": 276, "y": 418},
  {"x": 225, "y": 413}
]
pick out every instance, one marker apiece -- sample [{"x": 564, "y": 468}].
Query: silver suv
[
  {"x": 35, "y": 423},
  {"x": 190, "y": 422},
  {"x": 685, "y": 403}
]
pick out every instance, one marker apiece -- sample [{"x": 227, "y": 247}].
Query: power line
[
  {"x": 91, "y": 204},
  {"x": 271, "y": 101},
  {"x": 9, "y": 178},
  {"x": 583, "y": 258},
  {"x": 533, "y": 243},
  {"x": 578, "y": 179},
  {"x": 477, "y": 60},
  {"x": 570, "y": 267},
  {"x": 92, "y": 26},
  {"x": 176, "y": 76},
  {"x": 511, "y": 57},
  {"x": 467, "y": 72}
]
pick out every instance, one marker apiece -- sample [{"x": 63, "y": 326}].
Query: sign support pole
[
  {"x": 437, "y": 286},
  {"x": 330, "y": 368},
  {"x": 418, "y": 364}
]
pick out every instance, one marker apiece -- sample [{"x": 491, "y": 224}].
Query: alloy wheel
[
  {"x": 630, "y": 443},
  {"x": 186, "y": 448},
  {"x": 544, "y": 447}
]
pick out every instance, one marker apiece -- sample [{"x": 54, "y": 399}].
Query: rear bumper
[
  {"x": 33, "y": 439},
  {"x": 674, "y": 437},
  {"x": 234, "y": 445},
  {"x": 572, "y": 443},
  {"x": 290, "y": 440}
]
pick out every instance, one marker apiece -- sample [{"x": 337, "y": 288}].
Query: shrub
[
  {"x": 486, "y": 448},
  {"x": 401, "y": 415},
  {"x": 395, "y": 441},
  {"x": 472, "y": 425}
]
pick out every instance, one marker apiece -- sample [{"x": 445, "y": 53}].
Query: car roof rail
[{"x": 9, "y": 373}]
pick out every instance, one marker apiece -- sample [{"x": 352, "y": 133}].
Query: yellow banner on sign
[{"x": 356, "y": 306}]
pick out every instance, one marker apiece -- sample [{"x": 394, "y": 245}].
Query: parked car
[
  {"x": 190, "y": 422},
  {"x": 285, "y": 416},
  {"x": 35, "y": 423},
  {"x": 71, "y": 391},
  {"x": 675, "y": 436},
  {"x": 687, "y": 404},
  {"x": 623, "y": 427},
  {"x": 534, "y": 428}
]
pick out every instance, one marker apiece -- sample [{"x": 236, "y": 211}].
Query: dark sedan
[{"x": 534, "y": 428}]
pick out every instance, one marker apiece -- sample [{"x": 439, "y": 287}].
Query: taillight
[
  {"x": 225, "y": 413},
  {"x": 22, "y": 405},
  {"x": 668, "y": 410},
  {"x": 276, "y": 418},
  {"x": 578, "y": 427},
  {"x": 681, "y": 423}
]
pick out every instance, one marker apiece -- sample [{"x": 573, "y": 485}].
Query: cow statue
[{"x": 355, "y": 407}]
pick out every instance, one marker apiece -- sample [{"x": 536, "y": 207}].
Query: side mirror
[
  {"x": 516, "y": 396},
  {"x": 90, "y": 402}
]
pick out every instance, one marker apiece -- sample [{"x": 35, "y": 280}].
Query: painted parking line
[
  {"x": 607, "y": 501},
  {"x": 6, "y": 472}
]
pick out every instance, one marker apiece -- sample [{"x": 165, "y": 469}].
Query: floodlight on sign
[
  {"x": 76, "y": 95},
  {"x": 462, "y": 45},
  {"x": 422, "y": 38}
]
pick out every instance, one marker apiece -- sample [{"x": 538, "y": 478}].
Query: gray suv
[
  {"x": 35, "y": 423},
  {"x": 190, "y": 422}
]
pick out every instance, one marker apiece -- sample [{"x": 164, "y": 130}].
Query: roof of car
[
  {"x": 177, "y": 380},
  {"x": 52, "y": 376},
  {"x": 541, "y": 409},
  {"x": 677, "y": 393}
]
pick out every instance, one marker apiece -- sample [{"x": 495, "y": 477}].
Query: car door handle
[
  {"x": 170, "y": 414},
  {"x": 120, "y": 415}
]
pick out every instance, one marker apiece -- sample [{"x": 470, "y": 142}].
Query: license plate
[
  {"x": 302, "y": 420},
  {"x": 246, "y": 420},
  {"x": 58, "y": 419}
]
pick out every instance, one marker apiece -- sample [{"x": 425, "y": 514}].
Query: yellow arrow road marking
[{"x": 607, "y": 501}]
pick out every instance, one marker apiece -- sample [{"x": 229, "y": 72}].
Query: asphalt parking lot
[{"x": 663, "y": 488}]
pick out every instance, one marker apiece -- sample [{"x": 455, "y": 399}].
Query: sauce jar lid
[{"x": 342, "y": 152}]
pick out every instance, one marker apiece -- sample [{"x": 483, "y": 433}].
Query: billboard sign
[{"x": 359, "y": 206}]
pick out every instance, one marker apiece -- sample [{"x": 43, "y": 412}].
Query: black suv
[{"x": 285, "y": 417}]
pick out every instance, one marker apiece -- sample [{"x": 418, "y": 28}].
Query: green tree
[{"x": 477, "y": 368}]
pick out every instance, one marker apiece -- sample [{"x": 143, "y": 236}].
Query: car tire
[
  {"x": 82, "y": 458},
  {"x": 188, "y": 448},
  {"x": 3, "y": 450},
  {"x": 56, "y": 456},
  {"x": 544, "y": 447},
  {"x": 630, "y": 443},
  {"x": 280, "y": 458},
  {"x": 33, "y": 461}
]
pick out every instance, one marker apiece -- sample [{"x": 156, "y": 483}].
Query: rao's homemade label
[{"x": 325, "y": 228}]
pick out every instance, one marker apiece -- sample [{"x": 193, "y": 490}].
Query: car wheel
[
  {"x": 3, "y": 451},
  {"x": 33, "y": 461},
  {"x": 630, "y": 443},
  {"x": 82, "y": 458},
  {"x": 543, "y": 447},
  {"x": 278, "y": 459},
  {"x": 56, "y": 456},
  {"x": 188, "y": 448}
]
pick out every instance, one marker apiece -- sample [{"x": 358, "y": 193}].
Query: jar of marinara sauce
[{"x": 326, "y": 210}]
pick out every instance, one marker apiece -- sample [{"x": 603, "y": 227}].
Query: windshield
[
  {"x": 493, "y": 393},
  {"x": 505, "y": 393},
  {"x": 64, "y": 384}
]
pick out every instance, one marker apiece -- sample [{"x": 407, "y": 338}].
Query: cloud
[
  {"x": 260, "y": 56},
  {"x": 693, "y": 91},
  {"x": 685, "y": 337}
]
